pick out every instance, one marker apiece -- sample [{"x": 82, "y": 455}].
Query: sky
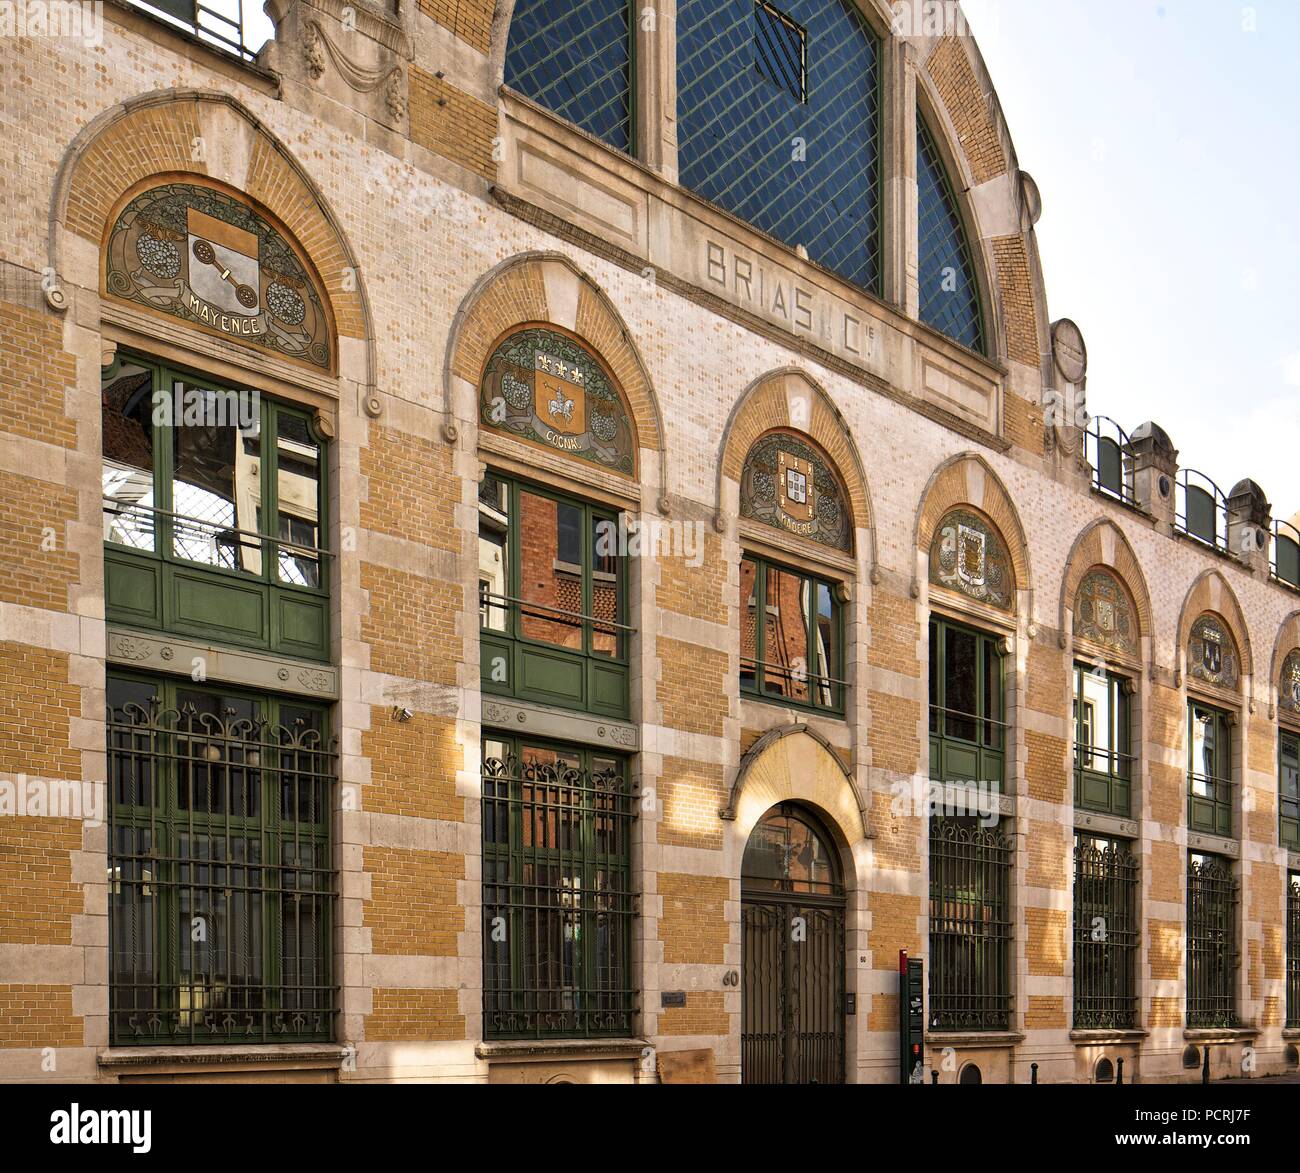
[{"x": 1163, "y": 138}]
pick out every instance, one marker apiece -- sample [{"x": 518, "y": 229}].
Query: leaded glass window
[
  {"x": 221, "y": 883},
  {"x": 804, "y": 169},
  {"x": 1105, "y": 934},
  {"x": 575, "y": 59},
  {"x": 1211, "y": 942},
  {"x": 557, "y": 892},
  {"x": 950, "y": 297},
  {"x": 1212, "y": 653},
  {"x": 969, "y": 556}
]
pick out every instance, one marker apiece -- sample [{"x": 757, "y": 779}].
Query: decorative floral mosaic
[
  {"x": 1212, "y": 654},
  {"x": 1288, "y": 686},
  {"x": 967, "y": 555},
  {"x": 1103, "y": 614},
  {"x": 788, "y": 484},
  {"x": 545, "y": 387},
  {"x": 205, "y": 257}
]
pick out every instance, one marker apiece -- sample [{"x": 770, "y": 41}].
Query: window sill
[
  {"x": 297, "y": 1055},
  {"x": 1220, "y": 1034},
  {"x": 561, "y": 1048},
  {"x": 991, "y": 1038},
  {"x": 1101, "y": 1038}
]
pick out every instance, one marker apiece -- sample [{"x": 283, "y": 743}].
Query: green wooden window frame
[
  {"x": 517, "y": 664},
  {"x": 1212, "y": 952},
  {"x": 1107, "y": 884},
  {"x": 1103, "y": 777},
  {"x": 968, "y": 735},
  {"x": 558, "y": 901},
  {"x": 1288, "y": 781},
  {"x": 1293, "y": 950},
  {"x": 1209, "y": 781},
  {"x": 221, "y": 876},
  {"x": 772, "y": 682},
  {"x": 154, "y": 586}
]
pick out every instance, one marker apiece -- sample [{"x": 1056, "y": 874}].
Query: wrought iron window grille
[
  {"x": 1211, "y": 943},
  {"x": 1106, "y": 934},
  {"x": 222, "y": 885},
  {"x": 558, "y": 905},
  {"x": 970, "y": 927},
  {"x": 1293, "y": 952}
]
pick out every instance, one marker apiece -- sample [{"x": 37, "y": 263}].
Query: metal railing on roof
[
  {"x": 1106, "y": 444},
  {"x": 238, "y": 27},
  {"x": 1201, "y": 509}
]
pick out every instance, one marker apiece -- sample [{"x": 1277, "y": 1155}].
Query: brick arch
[
  {"x": 549, "y": 287},
  {"x": 1288, "y": 641},
  {"x": 1211, "y": 592},
  {"x": 968, "y": 479},
  {"x": 156, "y": 135},
  {"x": 1102, "y": 545},
  {"x": 765, "y": 405},
  {"x": 795, "y": 763}
]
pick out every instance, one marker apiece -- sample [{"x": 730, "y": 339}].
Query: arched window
[
  {"x": 576, "y": 60},
  {"x": 778, "y": 108},
  {"x": 789, "y": 852},
  {"x": 950, "y": 299}
]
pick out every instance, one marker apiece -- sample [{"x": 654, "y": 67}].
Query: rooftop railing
[
  {"x": 1106, "y": 442},
  {"x": 239, "y": 27}
]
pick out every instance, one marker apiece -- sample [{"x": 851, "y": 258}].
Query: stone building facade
[{"x": 654, "y": 612}]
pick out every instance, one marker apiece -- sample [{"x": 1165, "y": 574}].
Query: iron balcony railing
[
  {"x": 1105, "y": 935},
  {"x": 1286, "y": 553},
  {"x": 235, "y": 26},
  {"x": 558, "y": 901},
  {"x": 1106, "y": 443},
  {"x": 221, "y": 881},
  {"x": 1201, "y": 509},
  {"x": 970, "y": 927},
  {"x": 137, "y": 526},
  {"x": 1211, "y": 943}
]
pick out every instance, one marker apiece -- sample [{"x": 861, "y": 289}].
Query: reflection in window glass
[
  {"x": 786, "y": 853},
  {"x": 128, "y": 440},
  {"x": 493, "y": 553},
  {"x": 550, "y": 570},
  {"x": 216, "y": 486},
  {"x": 297, "y": 499},
  {"x": 961, "y": 678},
  {"x": 786, "y": 649},
  {"x": 1096, "y": 721}
]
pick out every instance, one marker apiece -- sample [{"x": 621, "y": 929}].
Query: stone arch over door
[
  {"x": 1103, "y": 546},
  {"x": 541, "y": 288},
  {"x": 968, "y": 479},
  {"x": 790, "y": 399},
  {"x": 1211, "y": 593},
  {"x": 211, "y": 137},
  {"x": 796, "y": 764}
]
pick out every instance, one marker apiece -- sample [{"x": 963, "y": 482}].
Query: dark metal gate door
[{"x": 792, "y": 992}]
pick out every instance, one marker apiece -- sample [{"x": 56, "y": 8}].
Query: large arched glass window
[
  {"x": 778, "y": 108},
  {"x": 576, "y": 60},
  {"x": 950, "y": 300}
]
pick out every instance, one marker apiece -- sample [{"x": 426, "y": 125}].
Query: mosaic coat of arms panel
[
  {"x": 205, "y": 257},
  {"x": 1103, "y": 614},
  {"x": 545, "y": 387},
  {"x": 788, "y": 484},
  {"x": 1288, "y": 687},
  {"x": 967, "y": 555},
  {"x": 1212, "y": 655}
]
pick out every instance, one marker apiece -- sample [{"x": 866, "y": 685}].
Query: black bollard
[
  {"x": 934, "y": 1078},
  {"x": 1119, "y": 1070},
  {"x": 1205, "y": 1065},
  {"x": 1033, "y": 1073}
]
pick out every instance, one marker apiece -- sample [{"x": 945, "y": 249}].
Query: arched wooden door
[{"x": 792, "y": 927}]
